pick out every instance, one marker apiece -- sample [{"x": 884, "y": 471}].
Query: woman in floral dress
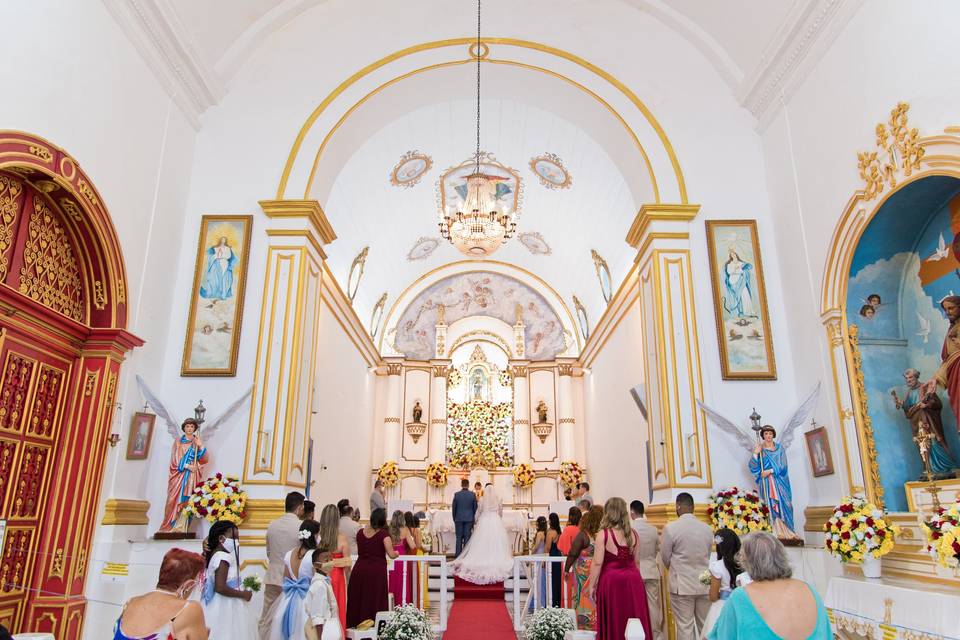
[{"x": 579, "y": 559}]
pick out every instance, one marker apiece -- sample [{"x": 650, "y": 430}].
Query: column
[
  {"x": 438, "y": 411},
  {"x": 521, "y": 411},
  {"x": 284, "y": 376},
  {"x": 566, "y": 422},
  {"x": 392, "y": 420},
  {"x": 671, "y": 356}
]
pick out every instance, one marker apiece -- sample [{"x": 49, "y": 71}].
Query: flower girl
[
  {"x": 288, "y": 616},
  {"x": 224, "y": 603},
  {"x": 724, "y": 572},
  {"x": 323, "y": 618}
]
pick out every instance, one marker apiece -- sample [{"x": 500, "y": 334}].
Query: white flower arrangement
[
  {"x": 408, "y": 623},
  {"x": 549, "y": 623}
]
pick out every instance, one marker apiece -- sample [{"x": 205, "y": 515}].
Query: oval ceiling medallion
[
  {"x": 413, "y": 165},
  {"x": 535, "y": 243},
  {"x": 549, "y": 168},
  {"x": 422, "y": 249}
]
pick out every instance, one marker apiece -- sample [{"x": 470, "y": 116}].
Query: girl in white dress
[
  {"x": 289, "y": 616},
  {"x": 724, "y": 571},
  {"x": 224, "y": 602},
  {"x": 488, "y": 556}
]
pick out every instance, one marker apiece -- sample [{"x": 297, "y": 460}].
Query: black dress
[{"x": 556, "y": 574}]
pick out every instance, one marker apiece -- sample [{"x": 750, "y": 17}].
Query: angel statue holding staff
[
  {"x": 768, "y": 461},
  {"x": 187, "y": 458}
]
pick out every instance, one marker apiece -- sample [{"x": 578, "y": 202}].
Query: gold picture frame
[
  {"x": 740, "y": 301},
  {"x": 141, "y": 434},
  {"x": 818, "y": 448},
  {"x": 216, "y": 300}
]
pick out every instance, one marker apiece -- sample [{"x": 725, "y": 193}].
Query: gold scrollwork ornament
[
  {"x": 867, "y": 426},
  {"x": 898, "y": 151}
]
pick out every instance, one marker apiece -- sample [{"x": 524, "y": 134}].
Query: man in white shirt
[
  {"x": 685, "y": 551},
  {"x": 647, "y": 551},
  {"x": 349, "y": 527},
  {"x": 281, "y": 537}
]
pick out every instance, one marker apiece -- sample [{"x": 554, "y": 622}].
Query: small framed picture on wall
[
  {"x": 818, "y": 446},
  {"x": 141, "y": 433}
]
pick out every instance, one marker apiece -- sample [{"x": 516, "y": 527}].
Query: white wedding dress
[{"x": 488, "y": 556}]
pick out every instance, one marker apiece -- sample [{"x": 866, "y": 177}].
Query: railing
[
  {"x": 539, "y": 572},
  {"x": 418, "y": 596}
]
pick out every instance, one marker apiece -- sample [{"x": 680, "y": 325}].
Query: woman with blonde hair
[
  {"x": 615, "y": 584},
  {"x": 403, "y": 544},
  {"x": 334, "y": 542}
]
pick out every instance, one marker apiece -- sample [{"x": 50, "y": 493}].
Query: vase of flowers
[
  {"x": 858, "y": 532},
  {"x": 389, "y": 474},
  {"x": 943, "y": 536},
  {"x": 407, "y": 623},
  {"x": 437, "y": 473},
  {"x": 739, "y": 510},
  {"x": 549, "y": 623},
  {"x": 219, "y": 497},
  {"x": 571, "y": 474},
  {"x": 523, "y": 476}
]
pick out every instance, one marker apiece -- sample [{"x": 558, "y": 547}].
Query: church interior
[{"x": 346, "y": 246}]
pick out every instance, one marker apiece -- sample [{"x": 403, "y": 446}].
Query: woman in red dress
[
  {"x": 336, "y": 543},
  {"x": 616, "y": 585},
  {"x": 367, "y": 591}
]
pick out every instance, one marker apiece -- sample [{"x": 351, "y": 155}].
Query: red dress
[
  {"x": 620, "y": 592},
  {"x": 367, "y": 592},
  {"x": 338, "y": 582}
]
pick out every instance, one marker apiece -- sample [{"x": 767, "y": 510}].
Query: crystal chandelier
[{"x": 481, "y": 224}]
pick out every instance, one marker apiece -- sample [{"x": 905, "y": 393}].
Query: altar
[{"x": 442, "y": 529}]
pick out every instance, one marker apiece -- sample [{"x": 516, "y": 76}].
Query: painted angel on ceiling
[
  {"x": 768, "y": 460},
  {"x": 188, "y": 456}
]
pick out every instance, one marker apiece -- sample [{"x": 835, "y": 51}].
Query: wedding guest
[
  {"x": 378, "y": 498},
  {"x": 556, "y": 568},
  {"x": 580, "y": 558},
  {"x": 309, "y": 510},
  {"x": 420, "y": 576},
  {"x": 585, "y": 493},
  {"x": 647, "y": 553},
  {"x": 367, "y": 591},
  {"x": 356, "y": 514},
  {"x": 224, "y": 602},
  {"x": 400, "y": 577},
  {"x": 167, "y": 612},
  {"x": 584, "y": 505},
  {"x": 538, "y": 581},
  {"x": 320, "y": 604},
  {"x": 281, "y": 537},
  {"x": 342, "y": 503},
  {"x": 616, "y": 585},
  {"x": 348, "y": 528},
  {"x": 565, "y": 542},
  {"x": 685, "y": 551},
  {"x": 724, "y": 571},
  {"x": 335, "y": 543},
  {"x": 568, "y": 494},
  {"x": 756, "y": 610},
  {"x": 288, "y": 616}
]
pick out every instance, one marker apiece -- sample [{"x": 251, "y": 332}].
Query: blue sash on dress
[
  {"x": 725, "y": 594},
  {"x": 297, "y": 590},
  {"x": 210, "y": 587}
]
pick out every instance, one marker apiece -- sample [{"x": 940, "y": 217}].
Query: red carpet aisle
[{"x": 478, "y": 613}]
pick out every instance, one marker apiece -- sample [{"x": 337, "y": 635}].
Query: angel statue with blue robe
[{"x": 768, "y": 461}]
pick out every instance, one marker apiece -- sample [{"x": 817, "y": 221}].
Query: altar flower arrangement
[
  {"x": 437, "y": 473},
  {"x": 943, "y": 536},
  {"x": 479, "y": 434},
  {"x": 523, "y": 475},
  {"x": 408, "y": 623},
  {"x": 219, "y": 497},
  {"x": 389, "y": 474},
  {"x": 857, "y": 531},
  {"x": 454, "y": 378},
  {"x": 571, "y": 474},
  {"x": 741, "y": 511},
  {"x": 548, "y": 623}
]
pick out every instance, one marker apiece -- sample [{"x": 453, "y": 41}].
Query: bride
[{"x": 488, "y": 556}]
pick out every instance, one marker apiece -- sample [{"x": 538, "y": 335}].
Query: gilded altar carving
[
  {"x": 121, "y": 293},
  {"x": 50, "y": 273},
  {"x": 46, "y": 401},
  {"x": 99, "y": 297},
  {"x": 565, "y": 369},
  {"x": 13, "y": 562},
  {"x": 87, "y": 191},
  {"x": 81, "y": 564},
  {"x": 441, "y": 371},
  {"x": 30, "y": 475},
  {"x": 8, "y": 453},
  {"x": 89, "y": 383},
  {"x": 11, "y": 191},
  {"x": 898, "y": 151},
  {"x": 394, "y": 368},
  {"x": 867, "y": 424},
  {"x": 71, "y": 209},
  {"x": 41, "y": 152},
  {"x": 13, "y": 390},
  {"x": 56, "y": 566}
]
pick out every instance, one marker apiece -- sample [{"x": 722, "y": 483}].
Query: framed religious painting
[
  {"x": 740, "y": 301},
  {"x": 141, "y": 433},
  {"x": 216, "y": 301},
  {"x": 818, "y": 446}
]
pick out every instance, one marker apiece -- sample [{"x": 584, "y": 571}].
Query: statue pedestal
[
  {"x": 175, "y": 535},
  {"x": 416, "y": 430}
]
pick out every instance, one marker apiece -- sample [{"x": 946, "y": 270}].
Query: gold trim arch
[
  {"x": 619, "y": 91},
  {"x": 941, "y": 158}
]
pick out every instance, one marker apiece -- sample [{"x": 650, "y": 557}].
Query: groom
[{"x": 464, "y": 511}]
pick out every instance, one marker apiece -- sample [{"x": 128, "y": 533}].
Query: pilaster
[
  {"x": 566, "y": 422},
  {"x": 438, "y": 410},
  {"x": 521, "y": 411},
  {"x": 392, "y": 420}
]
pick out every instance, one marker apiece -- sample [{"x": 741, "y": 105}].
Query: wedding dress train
[{"x": 488, "y": 556}]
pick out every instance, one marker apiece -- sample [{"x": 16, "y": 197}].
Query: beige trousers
[
  {"x": 270, "y": 593},
  {"x": 654, "y": 604},
  {"x": 689, "y": 612}
]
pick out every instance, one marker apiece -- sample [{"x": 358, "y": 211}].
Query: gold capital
[{"x": 656, "y": 212}]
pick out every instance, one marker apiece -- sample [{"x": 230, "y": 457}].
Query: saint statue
[
  {"x": 417, "y": 411},
  {"x": 218, "y": 276},
  {"x": 542, "y": 411},
  {"x": 186, "y": 473},
  {"x": 769, "y": 468},
  {"x": 922, "y": 405},
  {"x": 948, "y": 375}
]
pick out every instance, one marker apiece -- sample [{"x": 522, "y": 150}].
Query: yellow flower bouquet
[
  {"x": 739, "y": 510},
  {"x": 523, "y": 475},
  {"x": 219, "y": 497},
  {"x": 571, "y": 474},
  {"x": 943, "y": 536},
  {"x": 389, "y": 474},
  {"x": 858, "y": 531},
  {"x": 437, "y": 473}
]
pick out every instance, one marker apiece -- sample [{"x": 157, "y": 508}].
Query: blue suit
[{"x": 464, "y": 511}]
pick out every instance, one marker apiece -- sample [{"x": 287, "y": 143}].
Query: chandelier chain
[{"x": 479, "y": 57}]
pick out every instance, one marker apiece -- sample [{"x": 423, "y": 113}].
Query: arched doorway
[{"x": 63, "y": 313}]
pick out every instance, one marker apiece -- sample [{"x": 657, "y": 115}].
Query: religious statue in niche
[
  {"x": 921, "y": 405},
  {"x": 768, "y": 460},
  {"x": 417, "y": 412},
  {"x": 478, "y": 384},
  {"x": 542, "y": 412},
  {"x": 948, "y": 375}
]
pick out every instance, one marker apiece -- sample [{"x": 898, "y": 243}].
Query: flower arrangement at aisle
[
  {"x": 943, "y": 536},
  {"x": 219, "y": 497},
  {"x": 548, "y": 623},
  {"x": 479, "y": 434},
  {"x": 437, "y": 473},
  {"x": 389, "y": 474},
  {"x": 408, "y": 623},
  {"x": 571, "y": 474},
  {"x": 857, "y": 531},
  {"x": 523, "y": 475},
  {"x": 739, "y": 510}
]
